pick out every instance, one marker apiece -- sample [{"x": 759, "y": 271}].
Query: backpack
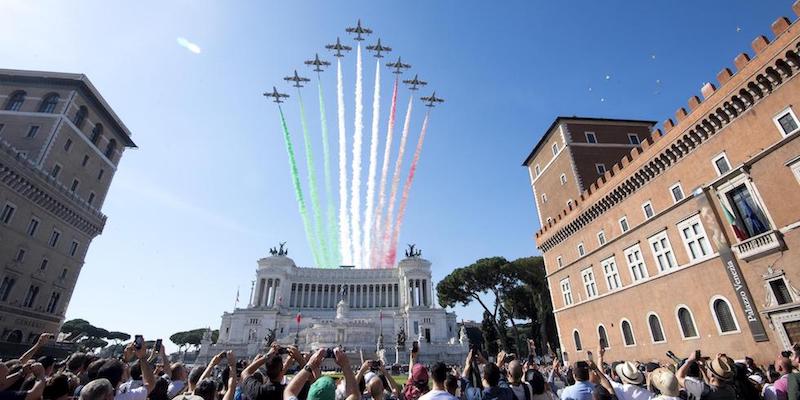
[{"x": 526, "y": 388}]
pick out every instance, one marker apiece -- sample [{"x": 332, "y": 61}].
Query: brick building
[
  {"x": 60, "y": 145},
  {"x": 690, "y": 240}
]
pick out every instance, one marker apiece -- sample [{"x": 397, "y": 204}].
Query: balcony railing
[{"x": 758, "y": 246}]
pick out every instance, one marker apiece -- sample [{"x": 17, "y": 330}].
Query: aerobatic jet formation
[
  {"x": 378, "y": 48},
  {"x": 414, "y": 82},
  {"x": 338, "y": 48},
  {"x": 398, "y": 66},
  {"x": 297, "y": 79},
  {"x": 432, "y": 100},
  {"x": 317, "y": 63},
  {"x": 358, "y": 30},
  {"x": 276, "y": 95}
]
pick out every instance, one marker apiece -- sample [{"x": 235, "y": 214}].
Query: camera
[
  {"x": 283, "y": 350},
  {"x": 329, "y": 353},
  {"x": 510, "y": 357},
  {"x": 673, "y": 357},
  {"x": 786, "y": 354},
  {"x": 415, "y": 347},
  {"x": 157, "y": 346},
  {"x": 374, "y": 365}
]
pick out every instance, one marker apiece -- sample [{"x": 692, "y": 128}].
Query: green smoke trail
[
  {"x": 298, "y": 190},
  {"x": 322, "y": 251},
  {"x": 333, "y": 229}
]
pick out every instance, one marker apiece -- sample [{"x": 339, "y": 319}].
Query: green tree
[
  {"x": 118, "y": 336},
  {"x": 489, "y": 329},
  {"x": 529, "y": 299},
  {"x": 470, "y": 283}
]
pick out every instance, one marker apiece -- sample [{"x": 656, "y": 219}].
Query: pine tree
[{"x": 489, "y": 334}]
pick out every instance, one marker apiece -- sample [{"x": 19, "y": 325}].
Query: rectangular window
[
  {"x": 747, "y": 211},
  {"x": 32, "y": 131},
  {"x": 677, "y": 192},
  {"x": 633, "y": 138},
  {"x": 721, "y": 164},
  {"x": 20, "y": 256},
  {"x": 581, "y": 250},
  {"x": 780, "y": 291},
  {"x": 74, "y": 186},
  {"x": 590, "y": 137},
  {"x": 68, "y": 145},
  {"x": 601, "y": 238},
  {"x": 51, "y": 306},
  {"x": 30, "y": 298},
  {"x": 43, "y": 265},
  {"x": 100, "y": 175},
  {"x": 563, "y": 179},
  {"x": 33, "y": 226},
  {"x": 54, "y": 172},
  {"x": 1, "y": 127},
  {"x": 73, "y": 248},
  {"x": 544, "y": 197},
  {"x": 63, "y": 273},
  {"x": 90, "y": 200},
  {"x": 54, "y": 238},
  {"x": 85, "y": 161},
  {"x": 612, "y": 275},
  {"x": 588, "y": 283},
  {"x": 8, "y": 213},
  {"x": 633, "y": 256},
  {"x": 566, "y": 292},
  {"x": 601, "y": 168},
  {"x": 559, "y": 262},
  {"x": 648, "y": 210},
  {"x": 787, "y": 122},
  {"x": 536, "y": 169},
  {"x": 623, "y": 224},
  {"x": 555, "y": 148},
  {"x": 694, "y": 238},
  {"x": 662, "y": 252}
]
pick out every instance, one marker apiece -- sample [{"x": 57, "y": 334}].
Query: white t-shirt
[
  {"x": 436, "y": 395},
  {"x": 138, "y": 393},
  {"x": 626, "y": 391},
  {"x": 175, "y": 387}
]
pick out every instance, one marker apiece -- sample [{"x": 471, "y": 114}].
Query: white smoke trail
[
  {"x": 387, "y": 231},
  {"x": 355, "y": 194},
  {"x": 373, "y": 166},
  {"x": 344, "y": 223},
  {"x": 376, "y": 255}
]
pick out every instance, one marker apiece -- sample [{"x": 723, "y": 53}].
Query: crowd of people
[{"x": 287, "y": 373}]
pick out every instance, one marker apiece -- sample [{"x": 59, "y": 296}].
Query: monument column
[{"x": 425, "y": 296}]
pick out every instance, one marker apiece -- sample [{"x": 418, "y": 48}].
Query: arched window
[
  {"x": 627, "y": 333},
  {"x": 723, "y": 315},
  {"x": 80, "y": 117},
  {"x": 601, "y": 335},
  {"x": 686, "y": 321},
  {"x": 111, "y": 148},
  {"x": 14, "y": 337},
  {"x": 577, "y": 337},
  {"x": 49, "y": 103},
  {"x": 97, "y": 132},
  {"x": 15, "y": 101},
  {"x": 656, "y": 331}
]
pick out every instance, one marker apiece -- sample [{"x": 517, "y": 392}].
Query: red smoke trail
[
  {"x": 392, "y": 254},
  {"x": 377, "y": 242}
]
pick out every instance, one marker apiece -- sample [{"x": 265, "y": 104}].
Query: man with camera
[
  {"x": 324, "y": 387},
  {"x": 258, "y": 387},
  {"x": 718, "y": 373}
]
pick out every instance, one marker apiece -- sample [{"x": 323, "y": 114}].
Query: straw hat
[
  {"x": 665, "y": 381},
  {"x": 721, "y": 367},
  {"x": 629, "y": 373}
]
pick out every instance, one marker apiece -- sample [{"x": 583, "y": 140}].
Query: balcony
[{"x": 759, "y": 246}]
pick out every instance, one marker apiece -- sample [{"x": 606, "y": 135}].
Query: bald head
[{"x": 515, "y": 371}]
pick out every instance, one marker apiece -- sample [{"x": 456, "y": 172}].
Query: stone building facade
[
  {"x": 60, "y": 145},
  {"x": 354, "y": 308},
  {"x": 690, "y": 241}
]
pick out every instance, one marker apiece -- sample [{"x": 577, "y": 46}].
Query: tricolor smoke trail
[
  {"x": 344, "y": 223},
  {"x": 392, "y": 254},
  {"x": 387, "y": 231},
  {"x": 376, "y": 252},
  {"x": 331, "y": 234},
  {"x": 355, "y": 194},
  {"x": 373, "y": 166},
  {"x": 312, "y": 184},
  {"x": 298, "y": 190}
]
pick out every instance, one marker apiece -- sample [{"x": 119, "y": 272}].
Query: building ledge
[{"x": 759, "y": 246}]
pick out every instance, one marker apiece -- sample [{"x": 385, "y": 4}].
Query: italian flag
[{"x": 740, "y": 234}]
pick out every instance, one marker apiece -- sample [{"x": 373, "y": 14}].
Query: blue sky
[{"x": 208, "y": 191}]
